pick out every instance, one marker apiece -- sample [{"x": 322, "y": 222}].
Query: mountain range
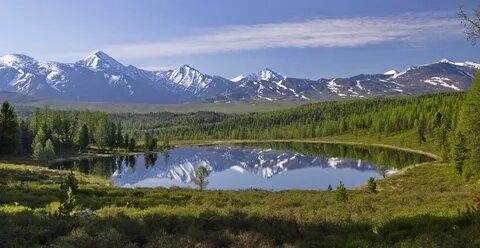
[{"x": 99, "y": 77}]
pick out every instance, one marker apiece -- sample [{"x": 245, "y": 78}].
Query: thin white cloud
[{"x": 334, "y": 32}]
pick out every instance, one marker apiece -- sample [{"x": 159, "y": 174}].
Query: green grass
[{"x": 423, "y": 206}]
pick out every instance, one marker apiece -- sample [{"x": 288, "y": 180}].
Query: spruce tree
[
  {"x": 49, "y": 150},
  {"x": 83, "y": 137},
  {"x": 458, "y": 152},
  {"x": 102, "y": 134},
  {"x": 126, "y": 141},
  {"x": 469, "y": 125},
  {"x": 112, "y": 134},
  {"x": 9, "y": 131},
  {"x": 26, "y": 137},
  {"x": 38, "y": 152},
  {"x": 132, "y": 142},
  {"x": 119, "y": 138}
]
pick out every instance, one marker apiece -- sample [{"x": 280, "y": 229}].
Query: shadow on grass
[{"x": 209, "y": 229}]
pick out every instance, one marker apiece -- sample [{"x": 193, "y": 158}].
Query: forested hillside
[{"x": 429, "y": 115}]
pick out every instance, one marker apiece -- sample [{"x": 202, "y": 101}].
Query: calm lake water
[{"x": 270, "y": 166}]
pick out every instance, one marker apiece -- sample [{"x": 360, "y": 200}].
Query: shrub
[
  {"x": 372, "y": 185},
  {"x": 69, "y": 182},
  {"x": 341, "y": 193},
  {"x": 68, "y": 204}
]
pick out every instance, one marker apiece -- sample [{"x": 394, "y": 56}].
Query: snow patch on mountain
[
  {"x": 390, "y": 73},
  {"x": 18, "y": 61},
  {"x": 238, "y": 78},
  {"x": 441, "y": 81}
]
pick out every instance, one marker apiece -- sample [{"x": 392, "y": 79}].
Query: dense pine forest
[{"x": 376, "y": 116}]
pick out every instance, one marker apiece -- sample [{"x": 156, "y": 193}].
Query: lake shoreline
[{"x": 319, "y": 141}]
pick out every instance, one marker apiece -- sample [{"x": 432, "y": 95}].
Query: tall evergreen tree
[
  {"x": 9, "y": 132},
  {"x": 83, "y": 137},
  {"x": 38, "y": 151},
  {"x": 49, "y": 150},
  {"x": 119, "y": 137},
  {"x": 112, "y": 134},
  {"x": 101, "y": 135},
  {"x": 26, "y": 137},
  {"x": 126, "y": 141},
  {"x": 458, "y": 152},
  {"x": 132, "y": 142},
  {"x": 469, "y": 125}
]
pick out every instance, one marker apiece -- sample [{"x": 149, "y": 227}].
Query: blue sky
[{"x": 298, "y": 38}]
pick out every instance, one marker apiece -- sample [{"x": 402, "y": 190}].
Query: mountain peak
[
  {"x": 186, "y": 67},
  {"x": 445, "y": 61},
  {"x": 464, "y": 64},
  {"x": 269, "y": 75},
  {"x": 101, "y": 60},
  {"x": 187, "y": 76},
  {"x": 17, "y": 60}
]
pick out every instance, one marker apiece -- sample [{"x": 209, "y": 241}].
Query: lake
[{"x": 268, "y": 166}]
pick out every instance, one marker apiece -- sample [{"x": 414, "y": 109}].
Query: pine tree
[
  {"x": 26, "y": 137},
  {"x": 165, "y": 143},
  {"x": 132, "y": 142},
  {"x": 150, "y": 142},
  {"x": 49, "y": 151},
  {"x": 119, "y": 138},
  {"x": 458, "y": 152},
  {"x": 112, "y": 134},
  {"x": 126, "y": 141},
  {"x": 68, "y": 203},
  {"x": 83, "y": 137},
  {"x": 38, "y": 152},
  {"x": 102, "y": 134},
  {"x": 419, "y": 128},
  {"x": 9, "y": 132},
  {"x": 69, "y": 182},
  {"x": 469, "y": 125}
]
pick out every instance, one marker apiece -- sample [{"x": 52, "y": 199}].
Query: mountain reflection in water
[{"x": 270, "y": 166}]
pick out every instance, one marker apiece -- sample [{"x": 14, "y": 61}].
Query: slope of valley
[{"x": 101, "y": 78}]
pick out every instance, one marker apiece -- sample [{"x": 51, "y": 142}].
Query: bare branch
[{"x": 471, "y": 24}]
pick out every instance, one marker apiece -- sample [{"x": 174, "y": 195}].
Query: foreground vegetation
[{"x": 427, "y": 205}]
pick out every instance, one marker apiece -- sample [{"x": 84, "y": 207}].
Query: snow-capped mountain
[
  {"x": 188, "y": 79},
  {"x": 263, "y": 75},
  {"x": 99, "y": 77},
  {"x": 101, "y": 61},
  {"x": 441, "y": 76}
]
